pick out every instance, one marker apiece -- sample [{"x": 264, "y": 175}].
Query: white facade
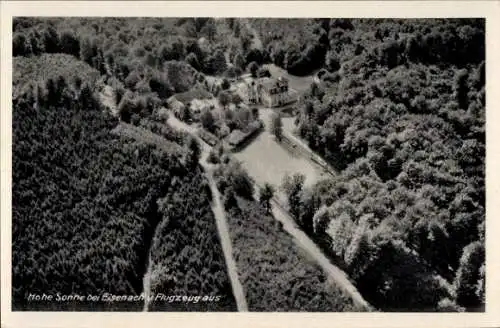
[{"x": 270, "y": 92}]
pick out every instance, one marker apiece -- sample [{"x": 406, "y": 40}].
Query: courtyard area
[{"x": 268, "y": 161}]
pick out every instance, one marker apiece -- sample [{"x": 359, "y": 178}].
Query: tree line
[{"x": 404, "y": 125}]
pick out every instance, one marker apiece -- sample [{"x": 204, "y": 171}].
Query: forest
[
  {"x": 276, "y": 273},
  {"x": 79, "y": 194},
  {"x": 186, "y": 254},
  {"x": 401, "y": 115},
  {"x": 398, "y": 108},
  {"x": 86, "y": 201},
  {"x": 147, "y": 60}
]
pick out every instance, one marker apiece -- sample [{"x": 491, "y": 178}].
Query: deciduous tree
[
  {"x": 468, "y": 275},
  {"x": 292, "y": 186},
  {"x": 207, "y": 120},
  {"x": 266, "y": 193}
]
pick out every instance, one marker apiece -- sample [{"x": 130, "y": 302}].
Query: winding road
[{"x": 340, "y": 278}]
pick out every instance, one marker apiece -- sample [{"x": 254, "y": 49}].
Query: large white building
[{"x": 270, "y": 92}]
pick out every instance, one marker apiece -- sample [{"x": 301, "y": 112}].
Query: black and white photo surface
[{"x": 248, "y": 164}]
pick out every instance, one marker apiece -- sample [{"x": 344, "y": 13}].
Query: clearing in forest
[{"x": 268, "y": 161}]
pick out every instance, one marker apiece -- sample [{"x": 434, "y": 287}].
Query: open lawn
[
  {"x": 268, "y": 161},
  {"x": 299, "y": 83},
  {"x": 37, "y": 69},
  {"x": 288, "y": 124},
  {"x": 147, "y": 137}
]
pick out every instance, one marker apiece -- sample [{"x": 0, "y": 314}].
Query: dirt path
[
  {"x": 220, "y": 216},
  {"x": 107, "y": 98},
  {"x": 281, "y": 214},
  {"x": 310, "y": 154},
  {"x": 339, "y": 276},
  {"x": 302, "y": 239},
  {"x": 221, "y": 224},
  {"x": 146, "y": 284}
]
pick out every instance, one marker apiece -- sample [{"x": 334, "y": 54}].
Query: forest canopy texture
[
  {"x": 87, "y": 200},
  {"x": 397, "y": 107},
  {"x": 399, "y": 110}
]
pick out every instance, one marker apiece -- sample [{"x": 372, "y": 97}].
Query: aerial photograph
[{"x": 218, "y": 164}]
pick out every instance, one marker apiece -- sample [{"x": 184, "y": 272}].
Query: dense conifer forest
[{"x": 86, "y": 201}]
